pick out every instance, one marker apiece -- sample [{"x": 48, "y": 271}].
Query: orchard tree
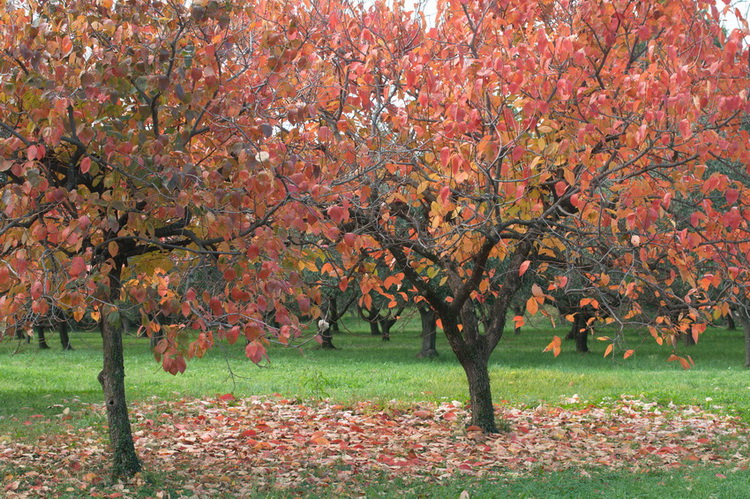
[
  {"x": 143, "y": 138},
  {"x": 516, "y": 135}
]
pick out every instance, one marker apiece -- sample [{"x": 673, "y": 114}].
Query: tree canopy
[{"x": 443, "y": 161}]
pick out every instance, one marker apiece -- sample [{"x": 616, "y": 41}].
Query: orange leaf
[
  {"x": 554, "y": 346},
  {"x": 609, "y": 349},
  {"x": 524, "y": 267},
  {"x": 628, "y": 353},
  {"x": 532, "y": 306}
]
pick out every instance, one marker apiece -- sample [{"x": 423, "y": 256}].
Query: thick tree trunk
[
  {"x": 41, "y": 340},
  {"x": 125, "y": 462},
  {"x": 64, "y": 337},
  {"x": 480, "y": 394},
  {"x": 429, "y": 333}
]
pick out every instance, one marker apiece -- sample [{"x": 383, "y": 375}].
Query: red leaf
[
  {"x": 732, "y": 195},
  {"x": 255, "y": 351},
  {"x": 85, "y": 164},
  {"x": 229, "y": 396},
  {"x": 337, "y": 213},
  {"x": 77, "y": 266}
]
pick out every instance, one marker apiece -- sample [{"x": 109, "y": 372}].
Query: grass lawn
[{"x": 37, "y": 387}]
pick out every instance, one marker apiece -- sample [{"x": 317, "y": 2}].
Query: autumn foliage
[{"x": 450, "y": 162}]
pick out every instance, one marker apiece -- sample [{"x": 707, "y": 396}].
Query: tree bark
[
  {"x": 40, "y": 338},
  {"x": 731, "y": 324},
  {"x": 429, "y": 333},
  {"x": 125, "y": 462},
  {"x": 374, "y": 329},
  {"x": 581, "y": 332},
  {"x": 21, "y": 335},
  {"x": 746, "y": 328},
  {"x": 386, "y": 325},
  {"x": 327, "y": 339},
  {"x": 64, "y": 337},
  {"x": 333, "y": 312},
  {"x": 480, "y": 393}
]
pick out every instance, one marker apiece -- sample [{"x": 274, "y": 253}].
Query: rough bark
[
  {"x": 125, "y": 462},
  {"x": 746, "y": 329},
  {"x": 429, "y": 333},
  {"x": 480, "y": 393}
]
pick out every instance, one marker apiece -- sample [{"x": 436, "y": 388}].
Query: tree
[
  {"x": 144, "y": 138},
  {"x": 522, "y": 134}
]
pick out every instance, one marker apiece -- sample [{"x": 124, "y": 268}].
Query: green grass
[
  {"x": 363, "y": 367},
  {"x": 44, "y": 383}
]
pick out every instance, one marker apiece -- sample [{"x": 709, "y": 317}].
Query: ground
[{"x": 226, "y": 446}]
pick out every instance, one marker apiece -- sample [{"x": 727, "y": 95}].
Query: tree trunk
[
  {"x": 519, "y": 310},
  {"x": 42, "y": 341},
  {"x": 333, "y": 314},
  {"x": 64, "y": 337},
  {"x": 374, "y": 329},
  {"x": 746, "y": 328},
  {"x": 386, "y": 325},
  {"x": 156, "y": 337},
  {"x": 429, "y": 333},
  {"x": 21, "y": 335},
  {"x": 327, "y": 339},
  {"x": 581, "y": 332},
  {"x": 480, "y": 394},
  {"x": 112, "y": 378},
  {"x": 731, "y": 325}
]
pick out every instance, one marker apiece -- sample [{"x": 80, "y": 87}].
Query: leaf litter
[{"x": 232, "y": 446}]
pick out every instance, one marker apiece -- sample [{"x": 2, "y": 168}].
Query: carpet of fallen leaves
[{"x": 210, "y": 447}]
